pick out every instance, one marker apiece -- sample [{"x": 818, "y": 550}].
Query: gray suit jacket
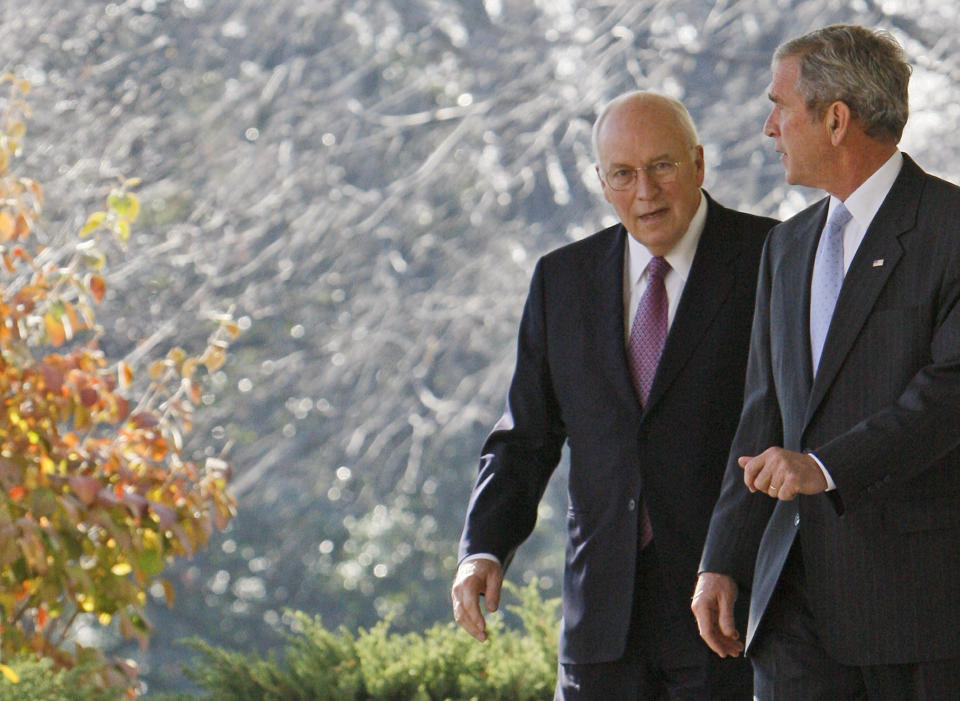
[{"x": 882, "y": 552}]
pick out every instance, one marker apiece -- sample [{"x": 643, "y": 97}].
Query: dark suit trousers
[
  {"x": 790, "y": 664},
  {"x": 664, "y": 658}
]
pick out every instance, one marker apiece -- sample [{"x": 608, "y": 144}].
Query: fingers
[
  {"x": 713, "y": 607},
  {"x": 776, "y": 472},
  {"x": 491, "y": 592},
  {"x": 474, "y": 579}
]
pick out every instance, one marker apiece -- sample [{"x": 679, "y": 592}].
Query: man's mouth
[{"x": 652, "y": 216}]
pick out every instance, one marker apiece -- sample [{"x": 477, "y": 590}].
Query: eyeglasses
[{"x": 660, "y": 172}]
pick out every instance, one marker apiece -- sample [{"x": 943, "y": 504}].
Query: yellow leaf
[
  {"x": 213, "y": 358},
  {"x": 55, "y": 330},
  {"x": 156, "y": 369},
  {"x": 121, "y": 568},
  {"x": 104, "y": 619},
  {"x": 8, "y": 672},
  {"x": 94, "y": 222},
  {"x": 7, "y": 227},
  {"x": 126, "y": 205},
  {"x": 189, "y": 367},
  {"x": 122, "y": 229}
]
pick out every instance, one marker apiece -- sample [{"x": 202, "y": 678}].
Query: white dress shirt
[{"x": 680, "y": 258}]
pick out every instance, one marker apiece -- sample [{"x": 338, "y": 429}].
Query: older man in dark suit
[
  {"x": 841, "y": 500},
  {"x": 632, "y": 350}
]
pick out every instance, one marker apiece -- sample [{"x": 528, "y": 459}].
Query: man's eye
[
  {"x": 662, "y": 167},
  {"x": 622, "y": 173}
]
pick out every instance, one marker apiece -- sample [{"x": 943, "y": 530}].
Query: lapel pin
[{"x": 878, "y": 263}]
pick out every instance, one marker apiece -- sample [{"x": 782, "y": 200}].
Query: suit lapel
[
  {"x": 711, "y": 279},
  {"x": 796, "y": 317},
  {"x": 610, "y": 343},
  {"x": 869, "y": 271}
]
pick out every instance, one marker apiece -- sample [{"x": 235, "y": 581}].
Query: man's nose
[
  {"x": 647, "y": 187},
  {"x": 769, "y": 126}
]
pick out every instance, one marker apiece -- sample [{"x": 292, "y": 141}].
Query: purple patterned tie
[{"x": 647, "y": 336}]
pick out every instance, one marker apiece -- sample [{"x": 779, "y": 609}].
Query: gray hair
[
  {"x": 865, "y": 69},
  {"x": 679, "y": 111}
]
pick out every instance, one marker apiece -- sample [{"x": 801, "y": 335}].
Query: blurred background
[{"x": 370, "y": 183}]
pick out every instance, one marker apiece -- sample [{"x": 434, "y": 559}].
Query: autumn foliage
[{"x": 96, "y": 494}]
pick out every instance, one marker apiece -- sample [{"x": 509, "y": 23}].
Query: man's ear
[{"x": 837, "y": 120}]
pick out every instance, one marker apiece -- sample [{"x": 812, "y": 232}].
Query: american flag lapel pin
[{"x": 878, "y": 263}]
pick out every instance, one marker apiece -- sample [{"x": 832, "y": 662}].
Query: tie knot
[
  {"x": 657, "y": 268},
  {"x": 841, "y": 215}
]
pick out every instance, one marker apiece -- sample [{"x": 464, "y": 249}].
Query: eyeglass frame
[{"x": 666, "y": 179}]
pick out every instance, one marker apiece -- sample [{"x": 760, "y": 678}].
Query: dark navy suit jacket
[
  {"x": 572, "y": 383},
  {"x": 881, "y": 554}
]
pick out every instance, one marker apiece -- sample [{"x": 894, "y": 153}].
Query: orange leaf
[
  {"x": 76, "y": 323},
  {"x": 42, "y": 617},
  {"x": 97, "y": 287},
  {"x": 17, "y": 492},
  {"x": 22, "y": 227},
  {"x": 125, "y": 373}
]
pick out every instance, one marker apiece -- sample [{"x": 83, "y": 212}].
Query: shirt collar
[
  {"x": 680, "y": 256},
  {"x": 864, "y": 202}
]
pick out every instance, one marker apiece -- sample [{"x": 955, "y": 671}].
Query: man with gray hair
[
  {"x": 840, "y": 507},
  {"x": 632, "y": 350}
]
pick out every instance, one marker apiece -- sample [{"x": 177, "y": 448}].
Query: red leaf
[
  {"x": 165, "y": 516},
  {"x": 85, "y": 488},
  {"x": 144, "y": 419},
  {"x": 52, "y": 377},
  {"x": 98, "y": 287},
  {"x": 89, "y": 396}
]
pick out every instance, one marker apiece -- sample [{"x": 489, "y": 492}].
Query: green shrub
[
  {"x": 38, "y": 678},
  {"x": 515, "y": 664}
]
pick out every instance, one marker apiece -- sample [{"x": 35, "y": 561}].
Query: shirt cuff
[
  {"x": 831, "y": 485},
  {"x": 480, "y": 556}
]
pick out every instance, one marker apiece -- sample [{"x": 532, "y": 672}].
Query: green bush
[
  {"x": 38, "y": 678},
  {"x": 515, "y": 664}
]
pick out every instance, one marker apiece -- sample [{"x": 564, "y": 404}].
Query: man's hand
[
  {"x": 782, "y": 474},
  {"x": 476, "y": 578},
  {"x": 713, "y": 606}
]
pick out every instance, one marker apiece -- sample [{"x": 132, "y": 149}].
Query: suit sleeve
[
  {"x": 524, "y": 447},
  {"x": 739, "y": 517}
]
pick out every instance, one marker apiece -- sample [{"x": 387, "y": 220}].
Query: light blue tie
[{"x": 827, "y": 280}]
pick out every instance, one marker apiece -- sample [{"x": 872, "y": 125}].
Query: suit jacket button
[
  {"x": 796, "y": 520},
  {"x": 631, "y": 505}
]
